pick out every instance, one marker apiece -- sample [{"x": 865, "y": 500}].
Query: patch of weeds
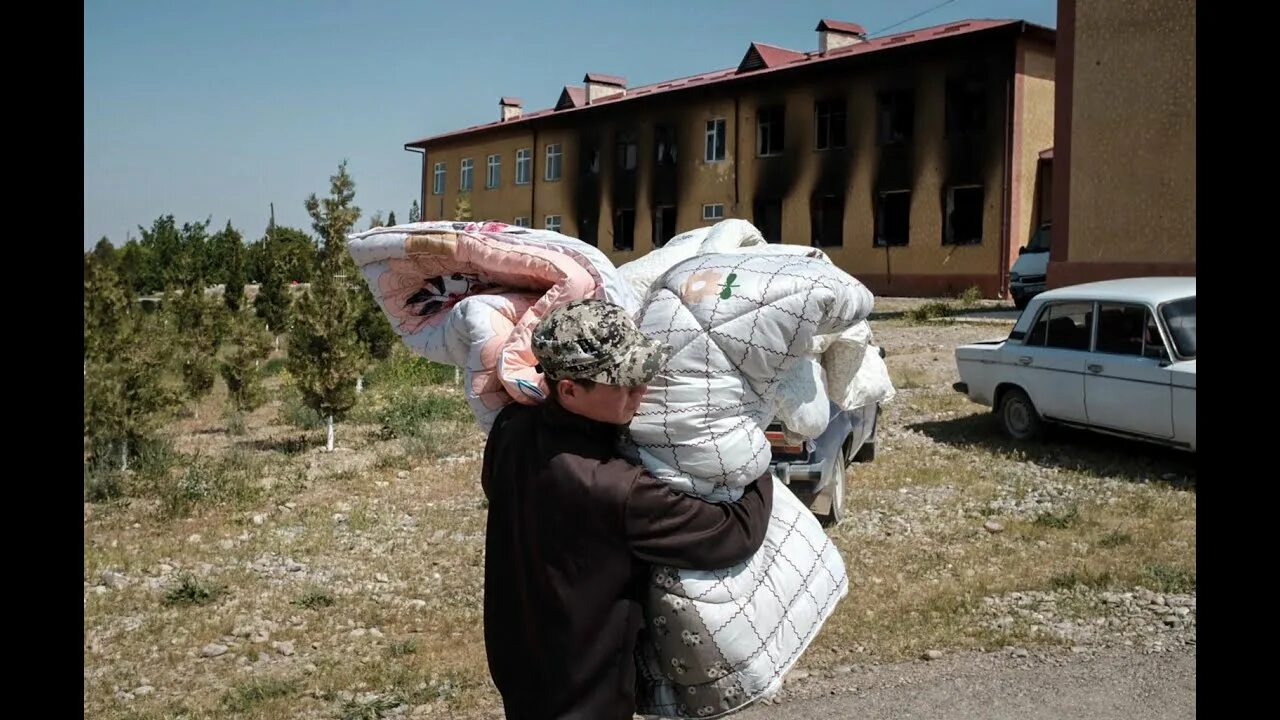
[
  {"x": 971, "y": 296},
  {"x": 400, "y": 648},
  {"x": 435, "y": 441},
  {"x": 314, "y": 599},
  {"x": 209, "y": 482},
  {"x": 1059, "y": 521},
  {"x": 293, "y": 411},
  {"x": 405, "y": 369},
  {"x": 190, "y": 590},
  {"x": 1072, "y": 578},
  {"x": 1170, "y": 579},
  {"x": 929, "y": 311},
  {"x": 1115, "y": 539},
  {"x": 235, "y": 423},
  {"x": 102, "y": 483},
  {"x": 407, "y": 413},
  {"x": 244, "y": 696},
  {"x": 370, "y": 708}
]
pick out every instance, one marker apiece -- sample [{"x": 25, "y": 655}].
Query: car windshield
[
  {"x": 1039, "y": 241},
  {"x": 1180, "y": 317}
]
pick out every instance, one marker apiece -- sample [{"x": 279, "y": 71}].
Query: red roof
[
  {"x": 762, "y": 55},
  {"x": 841, "y": 27},
  {"x": 1046, "y": 154},
  {"x": 508, "y": 100},
  {"x": 570, "y": 97},
  {"x": 576, "y": 97},
  {"x": 603, "y": 79}
]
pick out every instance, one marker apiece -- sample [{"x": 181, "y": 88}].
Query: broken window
[
  {"x": 664, "y": 137},
  {"x": 715, "y": 140},
  {"x": 966, "y": 105},
  {"x": 893, "y": 218},
  {"x": 830, "y": 122},
  {"x": 768, "y": 218},
  {"x": 895, "y": 116},
  {"x": 826, "y": 227},
  {"x": 552, "y": 223},
  {"x": 587, "y": 221},
  {"x": 664, "y": 224},
  {"x": 962, "y": 224},
  {"x": 624, "y": 226},
  {"x": 770, "y": 130},
  {"x": 627, "y": 151},
  {"x": 590, "y": 159}
]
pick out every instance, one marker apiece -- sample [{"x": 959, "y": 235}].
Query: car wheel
[
  {"x": 835, "y": 489},
  {"x": 1019, "y": 417}
]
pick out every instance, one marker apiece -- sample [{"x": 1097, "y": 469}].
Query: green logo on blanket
[{"x": 728, "y": 286}]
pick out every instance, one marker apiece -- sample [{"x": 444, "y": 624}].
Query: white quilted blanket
[{"x": 738, "y": 323}]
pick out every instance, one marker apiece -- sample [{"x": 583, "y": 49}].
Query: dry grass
[{"x": 372, "y": 582}]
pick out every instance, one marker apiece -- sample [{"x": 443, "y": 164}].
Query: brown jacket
[{"x": 572, "y": 530}]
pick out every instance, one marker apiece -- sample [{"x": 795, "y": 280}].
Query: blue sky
[{"x": 216, "y": 109}]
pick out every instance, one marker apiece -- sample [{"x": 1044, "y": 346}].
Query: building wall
[
  {"x": 1033, "y": 133},
  {"x": 1131, "y": 174},
  {"x": 927, "y": 165}
]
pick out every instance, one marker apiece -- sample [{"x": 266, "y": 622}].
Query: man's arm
[{"x": 666, "y": 527}]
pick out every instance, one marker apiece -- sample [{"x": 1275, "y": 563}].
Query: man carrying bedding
[{"x": 573, "y": 527}]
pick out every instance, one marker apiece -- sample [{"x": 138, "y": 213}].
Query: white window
[
  {"x": 493, "y": 176},
  {"x": 524, "y": 166},
  {"x": 555, "y": 156},
  {"x": 523, "y": 221},
  {"x": 437, "y": 184},
  {"x": 714, "y": 211},
  {"x": 552, "y": 223},
  {"x": 467, "y": 165},
  {"x": 715, "y": 140}
]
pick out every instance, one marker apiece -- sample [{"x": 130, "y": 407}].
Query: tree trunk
[
  {"x": 330, "y": 445},
  {"x": 124, "y": 455}
]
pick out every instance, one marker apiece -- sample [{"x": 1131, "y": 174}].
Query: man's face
[{"x": 615, "y": 404}]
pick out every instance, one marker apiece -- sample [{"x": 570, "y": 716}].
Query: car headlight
[{"x": 1015, "y": 277}]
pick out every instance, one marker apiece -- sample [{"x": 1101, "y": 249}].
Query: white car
[{"x": 1117, "y": 356}]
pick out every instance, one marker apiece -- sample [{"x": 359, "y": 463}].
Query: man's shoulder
[{"x": 603, "y": 478}]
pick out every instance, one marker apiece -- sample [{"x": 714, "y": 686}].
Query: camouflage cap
[{"x": 596, "y": 340}]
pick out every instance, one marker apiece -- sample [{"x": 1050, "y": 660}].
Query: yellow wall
[
  {"x": 1133, "y": 132},
  {"x": 1033, "y": 134}
]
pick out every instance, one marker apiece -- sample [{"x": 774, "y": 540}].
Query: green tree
[
  {"x": 241, "y": 368},
  {"x": 325, "y": 353},
  {"x": 415, "y": 212},
  {"x": 231, "y": 251},
  {"x": 125, "y": 369},
  {"x": 198, "y": 322},
  {"x": 462, "y": 208}
]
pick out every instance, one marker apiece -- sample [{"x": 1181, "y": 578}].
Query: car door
[
  {"x": 1049, "y": 364},
  {"x": 1128, "y": 386}
]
